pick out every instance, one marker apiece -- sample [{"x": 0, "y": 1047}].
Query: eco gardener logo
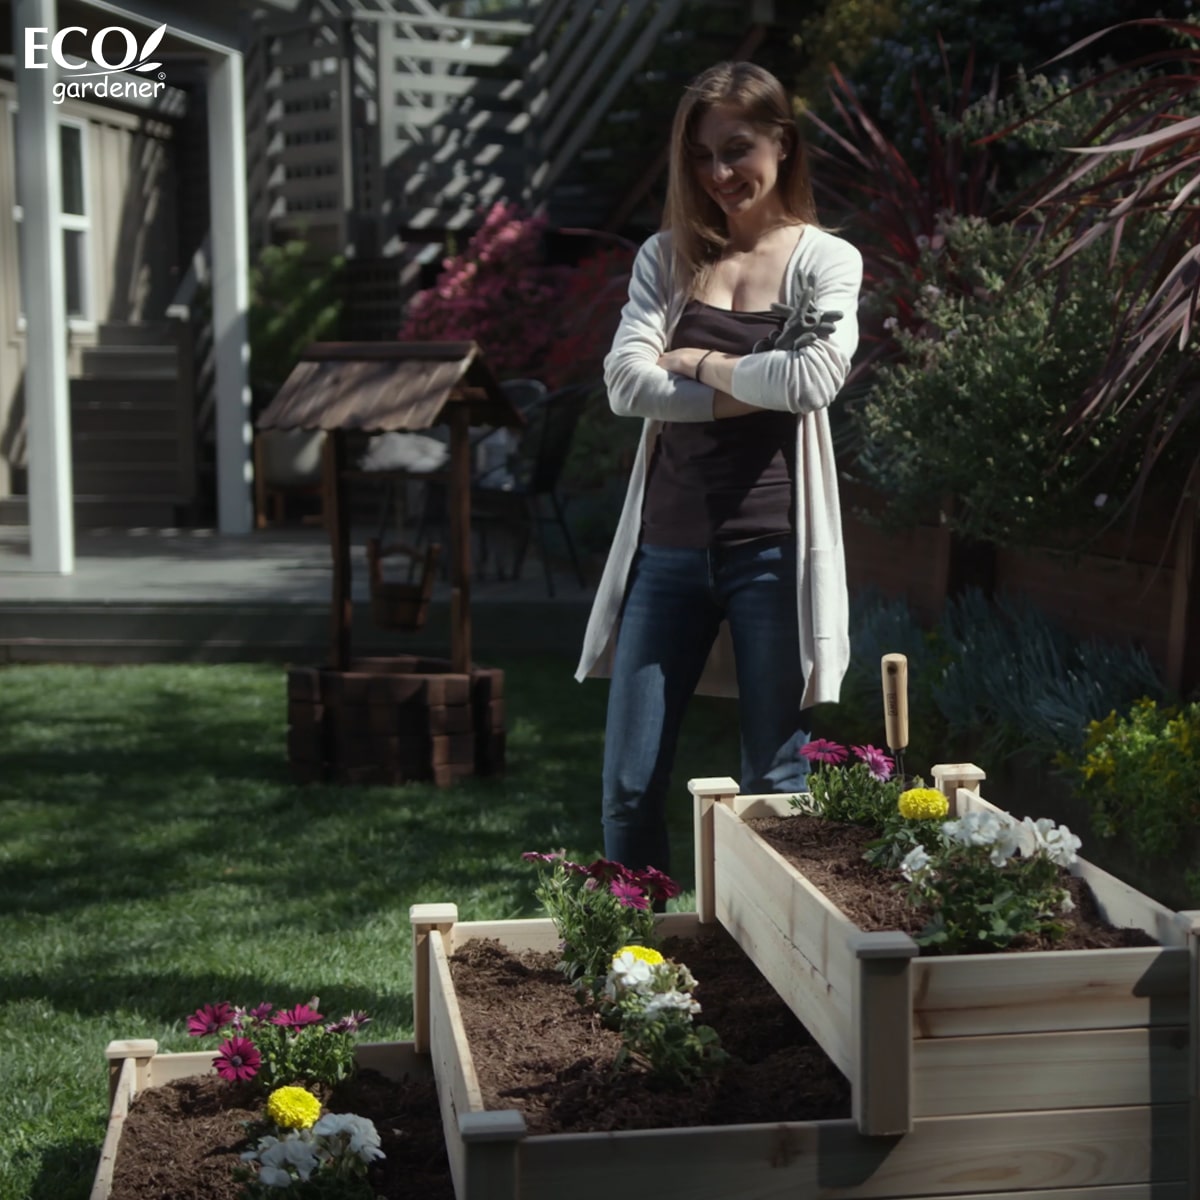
[{"x": 82, "y": 82}]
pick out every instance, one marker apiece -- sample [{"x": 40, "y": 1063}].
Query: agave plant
[{"x": 1142, "y": 157}]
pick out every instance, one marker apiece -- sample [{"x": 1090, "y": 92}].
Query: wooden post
[
  {"x": 424, "y": 919},
  {"x": 460, "y": 537},
  {"x": 491, "y": 1141},
  {"x": 949, "y": 777},
  {"x": 337, "y": 520},
  {"x": 1191, "y": 922},
  {"x": 882, "y": 1033},
  {"x": 142, "y": 1050},
  {"x": 706, "y": 793}
]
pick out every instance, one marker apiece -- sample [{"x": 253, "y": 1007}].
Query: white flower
[
  {"x": 1033, "y": 839},
  {"x": 931, "y": 292},
  {"x": 1007, "y": 843},
  {"x": 978, "y": 829},
  {"x": 277, "y": 1177},
  {"x": 1101, "y": 500},
  {"x": 1067, "y": 905},
  {"x": 922, "y": 242},
  {"x": 291, "y": 1151},
  {"x": 891, "y": 324},
  {"x": 668, "y": 1001},
  {"x": 1061, "y": 845},
  {"x": 630, "y": 974},
  {"x": 360, "y": 1133},
  {"x": 914, "y": 862}
]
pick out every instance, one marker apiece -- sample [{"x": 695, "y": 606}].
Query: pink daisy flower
[
  {"x": 297, "y": 1018},
  {"x": 821, "y": 750},
  {"x": 659, "y": 885},
  {"x": 628, "y": 894},
  {"x": 210, "y": 1018},
  {"x": 237, "y": 1058},
  {"x": 878, "y": 763}
]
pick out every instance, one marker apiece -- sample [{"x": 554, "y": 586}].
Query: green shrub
[{"x": 1141, "y": 775}]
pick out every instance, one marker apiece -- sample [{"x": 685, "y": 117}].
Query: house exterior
[{"x": 96, "y": 344}]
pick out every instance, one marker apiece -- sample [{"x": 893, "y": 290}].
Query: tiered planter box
[
  {"x": 135, "y": 1066},
  {"x": 1070, "y": 1070},
  {"x": 1130, "y": 1150}
]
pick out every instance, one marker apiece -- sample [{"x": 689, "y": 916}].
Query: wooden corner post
[
  {"x": 949, "y": 777},
  {"x": 706, "y": 793},
  {"x": 141, "y": 1050},
  {"x": 882, "y": 1033},
  {"x": 425, "y": 918},
  {"x": 491, "y": 1141},
  {"x": 1191, "y": 922}
]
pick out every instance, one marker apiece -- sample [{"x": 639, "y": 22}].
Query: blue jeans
[{"x": 675, "y": 602}]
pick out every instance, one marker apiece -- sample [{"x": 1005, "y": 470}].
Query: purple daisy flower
[
  {"x": 297, "y": 1018},
  {"x": 821, "y": 750},
  {"x": 210, "y": 1018},
  {"x": 628, "y": 895},
  {"x": 658, "y": 884},
  {"x": 878, "y": 763},
  {"x": 237, "y": 1058}
]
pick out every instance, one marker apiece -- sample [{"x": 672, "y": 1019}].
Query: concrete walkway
[{"x": 163, "y": 595}]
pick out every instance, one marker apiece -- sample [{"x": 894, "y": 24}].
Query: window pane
[
  {"x": 70, "y": 139},
  {"x": 75, "y": 272}
]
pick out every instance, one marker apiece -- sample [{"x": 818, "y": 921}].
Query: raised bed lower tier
[
  {"x": 395, "y": 720},
  {"x": 1125, "y": 1152},
  {"x": 1070, "y": 1040},
  {"x": 135, "y": 1066}
]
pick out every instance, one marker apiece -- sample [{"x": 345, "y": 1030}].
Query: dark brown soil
[
  {"x": 182, "y": 1141},
  {"x": 535, "y": 1048},
  {"x": 830, "y": 854}
]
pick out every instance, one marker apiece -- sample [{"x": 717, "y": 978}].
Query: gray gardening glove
[{"x": 803, "y": 324}]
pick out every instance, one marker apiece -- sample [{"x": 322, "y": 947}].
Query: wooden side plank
[
  {"x": 818, "y": 929},
  {"x": 539, "y": 933},
  {"x": 827, "y": 1016},
  {"x": 166, "y": 1068},
  {"x": 748, "y": 807},
  {"x": 977, "y": 995},
  {"x": 123, "y": 1093},
  {"x": 457, "y": 1085},
  {"x": 1088, "y": 1154},
  {"x": 1110, "y": 1068}
]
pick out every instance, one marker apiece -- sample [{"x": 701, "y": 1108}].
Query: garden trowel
[{"x": 895, "y": 706}]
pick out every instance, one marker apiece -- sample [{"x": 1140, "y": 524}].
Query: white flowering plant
[
  {"x": 991, "y": 881},
  {"x": 651, "y": 1000},
  {"x": 326, "y": 1160}
]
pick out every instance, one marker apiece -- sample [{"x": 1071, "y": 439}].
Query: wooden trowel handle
[{"x": 895, "y": 700}]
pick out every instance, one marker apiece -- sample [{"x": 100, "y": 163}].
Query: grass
[{"x": 155, "y": 856}]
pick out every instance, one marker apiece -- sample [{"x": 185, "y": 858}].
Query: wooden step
[
  {"x": 130, "y": 362},
  {"x": 140, "y": 448}
]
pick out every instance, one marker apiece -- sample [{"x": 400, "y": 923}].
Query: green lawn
[{"x": 154, "y": 856}]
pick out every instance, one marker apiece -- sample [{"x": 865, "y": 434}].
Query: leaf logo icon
[{"x": 151, "y": 45}]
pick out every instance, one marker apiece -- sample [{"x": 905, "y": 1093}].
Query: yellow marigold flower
[
  {"x": 651, "y": 958},
  {"x": 923, "y": 804},
  {"x": 293, "y": 1107}
]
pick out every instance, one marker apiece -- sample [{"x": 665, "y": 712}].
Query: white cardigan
[{"x": 803, "y": 381}]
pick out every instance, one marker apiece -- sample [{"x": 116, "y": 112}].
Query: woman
[{"x": 727, "y": 571}]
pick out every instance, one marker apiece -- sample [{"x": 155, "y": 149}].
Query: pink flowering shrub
[
  {"x": 863, "y": 791},
  {"x": 498, "y": 292},
  {"x": 278, "y": 1046},
  {"x": 598, "y": 909}
]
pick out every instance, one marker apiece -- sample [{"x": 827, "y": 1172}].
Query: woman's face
[{"x": 735, "y": 163}]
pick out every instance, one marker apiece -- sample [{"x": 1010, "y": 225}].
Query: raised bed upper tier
[{"x": 923, "y": 1038}]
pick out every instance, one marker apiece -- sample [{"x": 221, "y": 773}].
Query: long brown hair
[{"x": 699, "y": 231}]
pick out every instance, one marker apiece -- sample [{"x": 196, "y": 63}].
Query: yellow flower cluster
[
  {"x": 923, "y": 804},
  {"x": 651, "y": 958},
  {"x": 293, "y": 1107}
]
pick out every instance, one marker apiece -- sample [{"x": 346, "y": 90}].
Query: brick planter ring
[{"x": 395, "y": 720}]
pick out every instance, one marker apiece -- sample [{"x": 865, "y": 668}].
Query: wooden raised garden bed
[
  {"x": 1064, "y": 1069},
  {"x": 136, "y": 1066},
  {"x": 1109, "y": 1153}
]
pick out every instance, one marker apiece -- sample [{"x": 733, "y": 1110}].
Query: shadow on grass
[{"x": 66, "y": 1171}]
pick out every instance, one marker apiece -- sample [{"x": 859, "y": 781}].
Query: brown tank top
[{"x": 721, "y": 481}]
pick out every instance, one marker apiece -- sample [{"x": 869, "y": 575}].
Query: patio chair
[{"x": 515, "y": 494}]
